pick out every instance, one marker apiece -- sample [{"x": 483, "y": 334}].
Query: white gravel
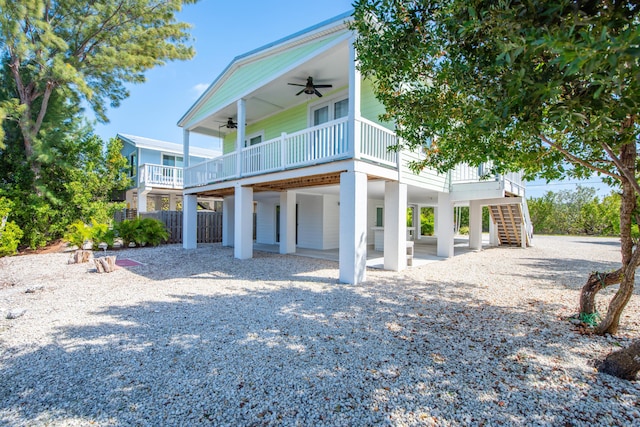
[{"x": 195, "y": 337}]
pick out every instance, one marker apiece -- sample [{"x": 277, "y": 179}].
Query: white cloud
[{"x": 199, "y": 88}]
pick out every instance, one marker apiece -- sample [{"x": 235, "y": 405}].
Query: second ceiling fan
[{"x": 310, "y": 88}]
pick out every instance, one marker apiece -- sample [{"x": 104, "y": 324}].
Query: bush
[
  {"x": 142, "y": 231},
  {"x": 129, "y": 231},
  {"x": 10, "y": 237},
  {"x": 78, "y": 234},
  {"x": 10, "y": 232},
  {"x": 153, "y": 231},
  {"x": 426, "y": 221},
  {"x": 101, "y": 233},
  {"x": 464, "y": 230}
]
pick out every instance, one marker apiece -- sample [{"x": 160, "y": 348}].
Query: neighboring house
[
  {"x": 156, "y": 171},
  {"x": 317, "y": 170}
]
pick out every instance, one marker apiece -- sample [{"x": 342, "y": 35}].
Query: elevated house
[
  {"x": 156, "y": 171},
  {"x": 304, "y": 148}
]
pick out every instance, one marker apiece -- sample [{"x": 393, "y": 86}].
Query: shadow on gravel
[
  {"x": 217, "y": 262},
  {"x": 388, "y": 353},
  {"x": 569, "y": 273}
]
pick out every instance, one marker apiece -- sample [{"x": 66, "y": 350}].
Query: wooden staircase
[{"x": 509, "y": 220}]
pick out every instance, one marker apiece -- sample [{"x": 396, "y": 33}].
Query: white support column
[
  {"x": 173, "y": 199},
  {"x": 395, "y": 226},
  {"x": 189, "y": 221},
  {"x": 185, "y": 148},
  {"x": 353, "y": 227},
  {"x": 444, "y": 219},
  {"x": 242, "y": 118},
  {"x": 243, "y": 227},
  {"x": 355, "y": 82},
  {"x": 227, "y": 220},
  {"x": 493, "y": 233},
  {"x": 475, "y": 225},
  {"x": 287, "y": 222},
  {"x": 142, "y": 200}
]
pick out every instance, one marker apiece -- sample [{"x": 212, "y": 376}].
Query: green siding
[
  {"x": 291, "y": 120},
  {"x": 253, "y": 73},
  {"x": 370, "y": 107}
]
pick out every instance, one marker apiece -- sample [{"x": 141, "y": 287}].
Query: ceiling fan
[
  {"x": 310, "y": 88},
  {"x": 230, "y": 124}
]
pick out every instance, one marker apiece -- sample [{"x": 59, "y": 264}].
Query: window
[
  {"x": 379, "y": 217},
  {"x": 326, "y": 110},
  {"x": 321, "y": 115},
  {"x": 341, "y": 109},
  {"x": 133, "y": 164},
  {"x": 169, "y": 160},
  {"x": 253, "y": 140},
  {"x": 331, "y": 110}
]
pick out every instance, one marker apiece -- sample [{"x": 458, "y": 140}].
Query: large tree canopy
[
  {"x": 530, "y": 85},
  {"x": 82, "y": 50}
]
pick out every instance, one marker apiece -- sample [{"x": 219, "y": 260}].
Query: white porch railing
[
  {"x": 158, "y": 175},
  {"x": 218, "y": 169},
  {"x": 375, "y": 143},
  {"x": 318, "y": 144},
  {"x": 323, "y": 144}
]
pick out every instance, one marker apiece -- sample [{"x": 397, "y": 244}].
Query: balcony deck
[
  {"x": 150, "y": 175},
  {"x": 328, "y": 143}
]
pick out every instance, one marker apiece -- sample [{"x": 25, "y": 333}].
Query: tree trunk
[
  {"x": 630, "y": 258},
  {"x": 624, "y": 363},
  {"x": 596, "y": 282}
]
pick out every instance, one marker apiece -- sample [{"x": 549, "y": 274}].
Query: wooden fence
[{"x": 209, "y": 227}]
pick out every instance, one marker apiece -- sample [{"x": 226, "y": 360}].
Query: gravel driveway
[{"x": 195, "y": 337}]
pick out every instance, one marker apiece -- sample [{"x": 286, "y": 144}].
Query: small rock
[
  {"x": 575, "y": 321},
  {"x": 15, "y": 313},
  {"x": 34, "y": 289}
]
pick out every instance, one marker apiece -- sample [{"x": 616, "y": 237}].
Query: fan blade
[
  {"x": 300, "y": 92},
  {"x": 323, "y": 85},
  {"x": 295, "y": 84},
  {"x": 317, "y": 93}
]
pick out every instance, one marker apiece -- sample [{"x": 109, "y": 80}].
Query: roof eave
[{"x": 283, "y": 43}]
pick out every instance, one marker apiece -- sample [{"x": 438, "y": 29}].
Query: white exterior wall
[
  {"x": 266, "y": 221},
  {"x": 310, "y": 222},
  {"x": 331, "y": 226}
]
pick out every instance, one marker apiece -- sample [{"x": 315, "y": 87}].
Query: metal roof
[{"x": 167, "y": 147}]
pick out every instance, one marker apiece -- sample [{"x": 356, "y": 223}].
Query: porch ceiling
[
  {"x": 329, "y": 67},
  {"x": 327, "y": 184}
]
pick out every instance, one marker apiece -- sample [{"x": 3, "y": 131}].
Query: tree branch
[
  {"x": 628, "y": 175},
  {"x": 578, "y": 160},
  {"x": 43, "y": 108}
]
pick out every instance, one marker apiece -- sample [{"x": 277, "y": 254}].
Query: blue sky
[{"x": 223, "y": 30}]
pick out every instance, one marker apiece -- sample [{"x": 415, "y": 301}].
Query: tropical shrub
[
  {"x": 10, "y": 232},
  {"x": 142, "y": 232},
  {"x": 153, "y": 232},
  {"x": 101, "y": 233},
  {"x": 78, "y": 233}
]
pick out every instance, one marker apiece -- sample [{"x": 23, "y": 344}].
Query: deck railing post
[{"x": 283, "y": 150}]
